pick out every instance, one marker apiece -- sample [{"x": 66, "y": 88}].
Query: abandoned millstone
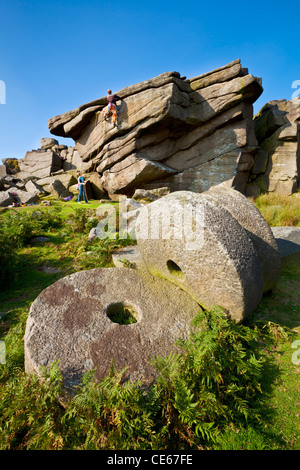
[
  {"x": 198, "y": 245},
  {"x": 257, "y": 228},
  {"x": 77, "y": 321}
]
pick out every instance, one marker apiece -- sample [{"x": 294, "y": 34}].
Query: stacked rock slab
[
  {"x": 41, "y": 163},
  {"x": 276, "y": 167},
  {"x": 194, "y": 252},
  {"x": 187, "y": 134}
]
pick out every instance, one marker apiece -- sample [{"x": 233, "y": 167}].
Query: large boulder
[
  {"x": 12, "y": 165},
  {"x": 77, "y": 321},
  {"x": 24, "y": 197},
  {"x": 58, "y": 190},
  {"x": 41, "y": 163},
  {"x": 170, "y": 129},
  {"x": 33, "y": 187}
]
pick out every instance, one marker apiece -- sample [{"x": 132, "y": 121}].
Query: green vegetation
[
  {"x": 280, "y": 210},
  {"x": 230, "y": 386}
]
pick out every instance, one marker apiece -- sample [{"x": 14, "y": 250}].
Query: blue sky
[{"x": 60, "y": 54}]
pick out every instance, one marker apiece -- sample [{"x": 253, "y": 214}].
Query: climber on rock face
[{"x": 112, "y": 99}]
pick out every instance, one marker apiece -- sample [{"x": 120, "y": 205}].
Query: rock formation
[
  {"x": 173, "y": 132},
  {"x": 277, "y": 163},
  {"x": 48, "y": 170},
  {"x": 187, "y": 134}
]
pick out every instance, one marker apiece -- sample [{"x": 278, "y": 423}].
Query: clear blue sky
[{"x": 60, "y": 54}]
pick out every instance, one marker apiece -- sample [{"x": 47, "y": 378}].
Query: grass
[
  {"x": 277, "y": 318},
  {"x": 280, "y": 210}
]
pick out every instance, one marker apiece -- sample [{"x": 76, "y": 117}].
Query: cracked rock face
[
  {"x": 187, "y": 134},
  {"x": 276, "y": 165}
]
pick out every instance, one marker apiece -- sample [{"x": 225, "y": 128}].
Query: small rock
[
  {"x": 48, "y": 269},
  {"x": 48, "y": 142},
  {"x": 40, "y": 240}
]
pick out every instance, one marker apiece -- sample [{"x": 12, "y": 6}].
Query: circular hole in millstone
[
  {"x": 174, "y": 269},
  {"x": 121, "y": 314}
]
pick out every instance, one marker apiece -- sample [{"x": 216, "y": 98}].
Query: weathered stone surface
[
  {"x": 74, "y": 162},
  {"x": 59, "y": 190},
  {"x": 3, "y": 171},
  {"x": 183, "y": 124},
  {"x": 257, "y": 228},
  {"x": 194, "y": 242},
  {"x": 12, "y": 165},
  {"x": 128, "y": 257},
  {"x": 67, "y": 179},
  {"x": 10, "y": 181},
  {"x": 41, "y": 163},
  {"x": 33, "y": 187},
  {"x": 24, "y": 196},
  {"x": 276, "y": 166},
  {"x": 98, "y": 192},
  {"x": 288, "y": 240},
  {"x": 25, "y": 176},
  {"x": 5, "y": 199},
  {"x": 48, "y": 143},
  {"x": 124, "y": 176},
  {"x": 150, "y": 194},
  {"x": 69, "y": 321}
]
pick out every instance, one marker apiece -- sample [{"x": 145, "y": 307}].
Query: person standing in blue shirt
[{"x": 81, "y": 188}]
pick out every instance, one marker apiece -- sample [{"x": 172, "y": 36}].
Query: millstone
[
  {"x": 195, "y": 243},
  {"x": 77, "y": 321}
]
